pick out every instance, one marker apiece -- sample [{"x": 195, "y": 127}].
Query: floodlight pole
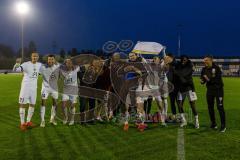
[
  {"x": 179, "y": 40},
  {"x": 179, "y": 45},
  {"x": 22, "y": 9},
  {"x": 22, "y": 37}
]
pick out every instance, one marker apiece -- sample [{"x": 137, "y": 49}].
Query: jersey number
[{"x": 34, "y": 74}]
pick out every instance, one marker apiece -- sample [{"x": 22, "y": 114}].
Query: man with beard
[
  {"x": 50, "y": 74},
  {"x": 184, "y": 72}
]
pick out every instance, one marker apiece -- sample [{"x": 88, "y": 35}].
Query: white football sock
[
  {"x": 141, "y": 117},
  {"x": 127, "y": 117},
  {"x": 42, "y": 113},
  {"x": 73, "y": 110},
  {"x": 196, "y": 118},
  {"x": 30, "y": 113},
  {"x": 174, "y": 116},
  {"x": 183, "y": 117},
  {"x": 163, "y": 117},
  {"x": 53, "y": 112},
  {"x": 65, "y": 110},
  {"x": 22, "y": 115},
  {"x": 165, "y": 104}
]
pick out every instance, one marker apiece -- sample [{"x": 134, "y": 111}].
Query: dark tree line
[{"x": 8, "y": 56}]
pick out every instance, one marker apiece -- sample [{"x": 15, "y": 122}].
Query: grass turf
[{"x": 106, "y": 141}]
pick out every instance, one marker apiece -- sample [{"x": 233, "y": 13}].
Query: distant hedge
[{"x": 7, "y": 63}]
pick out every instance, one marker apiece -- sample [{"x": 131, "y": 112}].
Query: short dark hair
[
  {"x": 184, "y": 56},
  {"x": 133, "y": 53},
  {"x": 170, "y": 55},
  {"x": 51, "y": 55},
  {"x": 208, "y": 56}
]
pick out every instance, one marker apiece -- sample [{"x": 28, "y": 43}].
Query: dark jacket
[
  {"x": 81, "y": 75},
  {"x": 170, "y": 74},
  {"x": 103, "y": 80},
  {"x": 184, "y": 76},
  {"x": 214, "y": 74}
]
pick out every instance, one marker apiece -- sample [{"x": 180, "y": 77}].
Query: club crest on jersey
[
  {"x": 213, "y": 72},
  {"x": 220, "y": 99}
]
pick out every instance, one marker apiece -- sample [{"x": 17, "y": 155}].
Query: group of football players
[{"x": 118, "y": 85}]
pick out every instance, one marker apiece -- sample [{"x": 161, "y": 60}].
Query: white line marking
[{"x": 180, "y": 145}]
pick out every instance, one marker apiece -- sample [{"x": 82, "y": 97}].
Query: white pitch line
[{"x": 180, "y": 145}]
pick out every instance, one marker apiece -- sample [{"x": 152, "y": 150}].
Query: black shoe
[
  {"x": 83, "y": 123},
  {"x": 223, "y": 129},
  {"x": 213, "y": 126},
  {"x": 92, "y": 122}
]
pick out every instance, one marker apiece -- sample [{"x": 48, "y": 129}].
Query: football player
[
  {"x": 70, "y": 89},
  {"x": 50, "y": 74},
  {"x": 28, "y": 92}
]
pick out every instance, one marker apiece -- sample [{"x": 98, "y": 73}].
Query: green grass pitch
[{"x": 107, "y": 141}]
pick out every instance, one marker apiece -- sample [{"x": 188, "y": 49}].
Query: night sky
[{"x": 208, "y": 26}]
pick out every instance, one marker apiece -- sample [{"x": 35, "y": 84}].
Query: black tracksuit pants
[
  {"x": 148, "y": 105},
  {"x": 211, "y": 96},
  {"x": 173, "y": 100}
]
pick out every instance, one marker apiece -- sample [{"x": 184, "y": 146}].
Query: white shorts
[
  {"x": 192, "y": 96},
  {"x": 165, "y": 95},
  {"x": 45, "y": 92},
  {"x": 137, "y": 99},
  {"x": 72, "y": 98},
  {"x": 141, "y": 99},
  {"x": 164, "y": 89},
  {"x": 142, "y": 93},
  {"x": 158, "y": 98},
  {"x": 28, "y": 95}
]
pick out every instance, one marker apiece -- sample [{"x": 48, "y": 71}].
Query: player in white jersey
[
  {"x": 156, "y": 86},
  {"x": 50, "y": 74},
  {"x": 28, "y": 93},
  {"x": 164, "y": 87},
  {"x": 70, "y": 89},
  {"x": 159, "y": 81}
]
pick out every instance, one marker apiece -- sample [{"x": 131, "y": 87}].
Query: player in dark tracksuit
[
  {"x": 173, "y": 79},
  {"x": 83, "y": 101},
  {"x": 184, "y": 71},
  {"x": 211, "y": 75}
]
